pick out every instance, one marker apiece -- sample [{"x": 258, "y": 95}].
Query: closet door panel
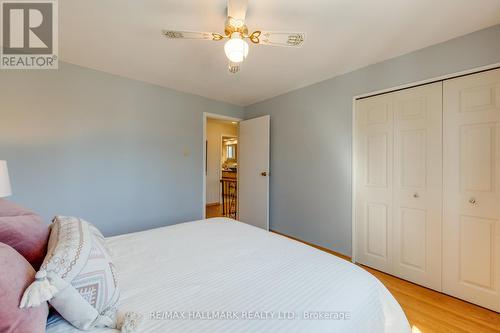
[
  {"x": 471, "y": 229},
  {"x": 417, "y": 208},
  {"x": 373, "y": 175}
]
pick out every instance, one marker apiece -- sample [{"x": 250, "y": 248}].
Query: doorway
[
  {"x": 221, "y": 190},
  {"x": 236, "y": 169}
]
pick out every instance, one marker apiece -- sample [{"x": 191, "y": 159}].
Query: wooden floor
[
  {"x": 214, "y": 211},
  {"x": 429, "y": 311}
]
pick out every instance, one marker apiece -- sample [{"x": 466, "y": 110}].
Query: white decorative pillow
[{"x": 77, "y": 276}]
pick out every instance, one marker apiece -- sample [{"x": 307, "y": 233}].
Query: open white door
[{"x": 253, "y": 171}]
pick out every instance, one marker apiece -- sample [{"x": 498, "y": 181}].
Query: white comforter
[{"x": 219, "y": 275}]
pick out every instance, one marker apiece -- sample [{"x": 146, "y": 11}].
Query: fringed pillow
[{"x": 77, "y": 276}]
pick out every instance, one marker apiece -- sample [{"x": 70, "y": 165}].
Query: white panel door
[
  {"x": 253, "y": 171},
  {"x": 471, "y": 225},
  {"x": 373, "y": 149},
  {"x": 417, "y": 202}
]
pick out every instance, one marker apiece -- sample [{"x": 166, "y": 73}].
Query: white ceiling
[{"x": 123, "y": 37}]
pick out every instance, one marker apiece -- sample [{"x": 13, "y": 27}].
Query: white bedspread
[{"x": 219, "y": 275}]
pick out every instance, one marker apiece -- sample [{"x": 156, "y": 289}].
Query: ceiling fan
[{"x": 236, "y": 31}]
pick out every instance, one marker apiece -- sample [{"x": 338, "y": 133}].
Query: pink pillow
[
  {"x": 24, "y": 231},
  {"x": 15, "y": 276}
]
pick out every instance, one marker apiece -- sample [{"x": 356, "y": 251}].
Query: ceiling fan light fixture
[
  {"x": 236, "y": 48},
  {"x": 236, "y": 33}
]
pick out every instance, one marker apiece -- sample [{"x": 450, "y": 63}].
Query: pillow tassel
[
  {"x": 38, "y": 292},
  {"x": 130, "y": 322}
]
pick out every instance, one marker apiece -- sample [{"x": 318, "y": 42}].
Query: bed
[{"x": 219, "y": 275}]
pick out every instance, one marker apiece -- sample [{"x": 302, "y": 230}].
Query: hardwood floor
[
  {"x": 429, "y": 311},
  {"x": 214, "y": 211}
]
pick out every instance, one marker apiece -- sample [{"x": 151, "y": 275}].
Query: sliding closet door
[
  {"x": 471, "y": 234},
  {"x": 418, "y": 184},
  {"x": 373, "y": 176}
]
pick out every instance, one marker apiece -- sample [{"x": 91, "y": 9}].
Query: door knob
[
  {"x": 415, "y": 195},
  {"x": 263, "y": 174},
  {"x": 473, "y": 201}
]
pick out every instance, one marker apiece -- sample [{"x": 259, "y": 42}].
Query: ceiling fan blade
[
  {"x": 176, "y": 34},
  {"x": 287, "y": 39},
  {"x": 237, "y": 9}
]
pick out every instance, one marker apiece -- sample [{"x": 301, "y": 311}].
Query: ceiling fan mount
[
  {"x": 235, "y": 25},
  {"x": 236, "y": 32}
]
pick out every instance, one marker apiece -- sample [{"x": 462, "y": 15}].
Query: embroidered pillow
[
  {"x": 77, "y": 276},
  {"x": 24, "y": 231},
  {"x": 15, "y": 275}
]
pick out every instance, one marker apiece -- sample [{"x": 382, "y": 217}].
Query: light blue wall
[
  {"x": 123, "y": 154},
  {"x": 311, "y": 136}
]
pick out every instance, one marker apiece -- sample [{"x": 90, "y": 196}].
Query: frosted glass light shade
[
  {"x": 236, "y": 48},
  {"x": 5, "y": 189}
]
